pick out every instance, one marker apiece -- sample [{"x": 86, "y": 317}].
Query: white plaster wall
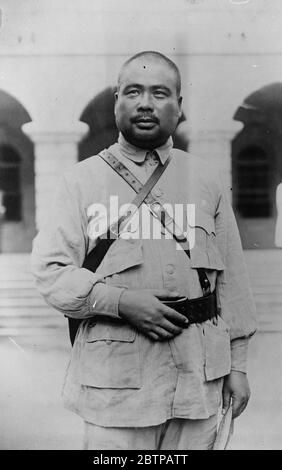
[
  {"x": 56, "y": 55},
  {"x": 218, "y": 84}
]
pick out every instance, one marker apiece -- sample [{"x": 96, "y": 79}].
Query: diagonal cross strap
[
  {"x": 94, "y": 258},
  {"x": 155, "y": 207},
  {"x": 141, "y": 190}
]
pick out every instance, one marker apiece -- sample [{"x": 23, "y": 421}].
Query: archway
[
  {"x": 16, "y": 178},
  {"x": 99, "y": 115},
  {"x": 257, "y": 166}
]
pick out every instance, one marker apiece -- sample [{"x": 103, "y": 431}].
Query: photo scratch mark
[{"x": 16, "y": 344}]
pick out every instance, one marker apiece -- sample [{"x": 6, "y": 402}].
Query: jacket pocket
[
  {"x": 122, "y": 255},
  {"x": 110, "y": 356},
  {"x": 205, "y": 253},
  {"x": 217, "y": 350}
]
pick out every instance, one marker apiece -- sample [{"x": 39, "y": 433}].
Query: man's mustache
[{"x": 145, "y": 117}]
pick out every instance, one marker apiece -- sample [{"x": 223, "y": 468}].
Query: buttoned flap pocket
[
  {"x": 217, "y": 349},
  {"x": 122, "y": 255},
  {"x": 204, "y": 250},
  {"x": 110, "y": 356}
]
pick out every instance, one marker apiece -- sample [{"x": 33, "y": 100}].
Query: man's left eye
[{"x": 160, "y": 94}]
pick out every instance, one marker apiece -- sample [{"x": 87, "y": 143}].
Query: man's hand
[
  {"x": 143, "y": 309},
  {"x": 236, "y": 387}
]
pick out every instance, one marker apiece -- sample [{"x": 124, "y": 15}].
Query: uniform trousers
[{"x": 174, "y": 434}]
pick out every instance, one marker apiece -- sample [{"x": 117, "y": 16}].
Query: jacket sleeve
[
  {"x": 58, "y": 253},
  {"x": 233, "y": 286}
]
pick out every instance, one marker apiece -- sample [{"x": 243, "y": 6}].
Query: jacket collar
[{"x": 138, "y": 155}]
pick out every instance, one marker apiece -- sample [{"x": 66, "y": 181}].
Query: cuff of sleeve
[
  {"x": 104, "y": 300},
  {"x": 239, "y": 354}
]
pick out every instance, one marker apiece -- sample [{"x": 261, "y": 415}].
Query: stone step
[
  {"x": 259, "y": 287},
  {"x": 35, "y": 332},
  {"x": 18, "y": 276},
  {"x": 23, "y": 292},
  {"x": 269, "y": 323},
  {"x": 28, "y": 311},
  {"x": 16, "y": 285},
  {"x": 21, "y": 302},
  {"x": 51, "y": 321},
  {"x": 267, "y": 297},
  {"x": 269, "y": 304},
  {"x": 13, "y": 326},
  {"x": 267, "y": 278}
]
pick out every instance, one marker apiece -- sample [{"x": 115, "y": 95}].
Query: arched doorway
[
  {"x": 17, "y": 227},
  {"x": 10, "y": 187},
  {"x": 99, "y": 115},
  {"x": 257, "y": 166}
]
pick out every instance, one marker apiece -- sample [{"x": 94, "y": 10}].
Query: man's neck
[{"x": 147, "y": 146}]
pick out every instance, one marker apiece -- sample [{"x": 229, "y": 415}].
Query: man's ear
[
  {"x": 116, "y": 98},
  {"x": 180, "y": 105}
]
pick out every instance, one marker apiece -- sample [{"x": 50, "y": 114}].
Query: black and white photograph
[{"x": 140, "y": 227}]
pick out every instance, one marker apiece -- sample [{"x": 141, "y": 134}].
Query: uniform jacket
[{"x": 116, "y": 375}]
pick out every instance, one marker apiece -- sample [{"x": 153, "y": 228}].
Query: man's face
[{"x": 147, "y": 107}]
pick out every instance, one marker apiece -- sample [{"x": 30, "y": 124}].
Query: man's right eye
[{"x": 132, "y": 92}]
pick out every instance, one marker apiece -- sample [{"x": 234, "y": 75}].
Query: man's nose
[{"x": 145, "y": 101}]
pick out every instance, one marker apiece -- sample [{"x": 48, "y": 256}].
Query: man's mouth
[
  {"x": 145, "y": 119},
  {"x": 145, "y": 122}
]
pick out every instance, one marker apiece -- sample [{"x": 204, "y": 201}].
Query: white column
[
  {"x": 215, "y": 146},
  {"x": 55, "y": 150},
  {"x": 278, "y": 227}
]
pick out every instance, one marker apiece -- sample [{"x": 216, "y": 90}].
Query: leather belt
[{"x": 196, "y": 310}]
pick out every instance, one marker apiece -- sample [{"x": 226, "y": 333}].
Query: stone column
[
  {"x": 214, "y": 145},
  {"x": 55, "y": 150}
]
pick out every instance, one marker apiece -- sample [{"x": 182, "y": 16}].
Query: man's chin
[
  {"x": 145, "y": 138},
  {"x": 145, "y": 142},
  {"x": 146, "y": 134}
]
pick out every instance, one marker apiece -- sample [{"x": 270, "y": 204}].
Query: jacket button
[{"x": 170, "y": 269}]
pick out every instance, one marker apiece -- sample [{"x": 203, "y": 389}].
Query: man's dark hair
[{"x": 158, "y": 56}]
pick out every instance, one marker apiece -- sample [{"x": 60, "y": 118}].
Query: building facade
[{"x": 59, "y": 63}]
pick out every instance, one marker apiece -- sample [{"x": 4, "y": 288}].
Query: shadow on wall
[{"x": 99, "y": 115}]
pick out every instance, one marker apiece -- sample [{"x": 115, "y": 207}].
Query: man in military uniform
[{"x": 149, "y": 369}]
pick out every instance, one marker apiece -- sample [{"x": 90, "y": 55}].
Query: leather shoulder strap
[
  {"x": 155, "y": 207},
  {"x": 141, "y": 190},
  {"x": 130, "y": 178}
]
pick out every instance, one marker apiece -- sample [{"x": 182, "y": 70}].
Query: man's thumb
[{"x": 226, "y": 398}]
